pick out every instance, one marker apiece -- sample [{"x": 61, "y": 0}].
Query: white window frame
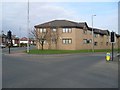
[
  {"x": 67, "y": 41},
  {"x": 64, "y": 30},
  {"x": 42, "y": 30},
  {"x": 84, "y": 31},
  {"x": 54, "y": 29},
  {"x": 84, "y": 41},
  {"x": 67, "y": 30}
]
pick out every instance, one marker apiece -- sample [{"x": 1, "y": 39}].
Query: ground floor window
[
  {"x": 106, "y": 43},
  {"x": 95, "y": 43},
  {"x": 66, "y": 41},
  {"x": 87, "y": 41}
]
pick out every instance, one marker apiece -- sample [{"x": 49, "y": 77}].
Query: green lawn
[{"x": 65, "y": 51}]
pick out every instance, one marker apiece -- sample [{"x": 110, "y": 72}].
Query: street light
[
  {"x": 28, "y": 27},
  {"x": 92, "y": 34}
]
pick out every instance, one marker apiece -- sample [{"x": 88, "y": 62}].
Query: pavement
[{"x": 85, "y": 70}]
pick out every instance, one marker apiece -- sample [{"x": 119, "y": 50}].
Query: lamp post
[
  {"x": 92, "y": 34},
  {"x": 28, "y": 27}
]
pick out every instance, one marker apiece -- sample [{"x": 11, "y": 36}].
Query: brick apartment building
[{"x": 69, "y": 35}]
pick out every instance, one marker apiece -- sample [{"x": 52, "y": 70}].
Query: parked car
[{"x": 2, "y": 45}]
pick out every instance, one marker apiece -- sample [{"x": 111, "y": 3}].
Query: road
[{"x": 59, "y": 71}]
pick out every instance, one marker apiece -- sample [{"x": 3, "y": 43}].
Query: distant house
[
  {"x": 15, "y": 40},
  {"x": 25, "y": 40},
  {"x": 3, "y": 39}
]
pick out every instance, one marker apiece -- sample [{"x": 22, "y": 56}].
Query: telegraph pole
[{"x": 92, "y": 34}]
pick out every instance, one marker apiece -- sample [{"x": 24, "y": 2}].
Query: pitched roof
[
  {"x": 23, "y": 39},
  {"x": 3, "y": 35},
  {"x": 61, "y": 23},
  {"x": 71, "y": 24},
  {"x": 117, "y": 35},
  {"x": 100, "y": 31}
]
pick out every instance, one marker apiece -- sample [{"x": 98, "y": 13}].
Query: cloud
[
  {"x": 49, "y": 11},
  {"x": 15, "y": 14}
]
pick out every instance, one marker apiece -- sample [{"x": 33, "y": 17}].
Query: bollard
[{"x": 108, "y": 57}]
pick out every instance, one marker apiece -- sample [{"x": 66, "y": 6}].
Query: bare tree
[
  {"x": 55, "y": 36},
  {"x": 50, "y": 36},
  {"x": 40, "y": 37}
]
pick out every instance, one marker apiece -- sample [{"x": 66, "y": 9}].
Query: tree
[
  {"x": 55, "y": 36},
  {"x": 48, "y": 35},
  {"x": 40, "y": 36}
]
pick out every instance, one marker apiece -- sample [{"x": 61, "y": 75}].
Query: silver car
[{"x": 2, "y": 45}]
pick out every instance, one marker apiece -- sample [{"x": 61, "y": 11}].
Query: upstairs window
[
  {"x": 90, "y": 32},
  {"x": 67, "y": 30},
  {"x": 84, "y": 31},
  {"x": 96, "y": 35},
  {"x": 43, "y": 30},
  {"x": 54, "y": 29}
]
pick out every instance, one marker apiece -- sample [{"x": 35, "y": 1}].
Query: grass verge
[{"x": 35, "y": 51}]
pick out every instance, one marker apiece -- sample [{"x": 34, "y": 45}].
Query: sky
[{"x": 14, "y": 14}]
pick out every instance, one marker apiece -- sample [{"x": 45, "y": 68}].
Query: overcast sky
[{"x": 14, "y": 14}]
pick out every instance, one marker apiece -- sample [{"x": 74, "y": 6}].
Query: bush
[{"x": 23, "y": 44}]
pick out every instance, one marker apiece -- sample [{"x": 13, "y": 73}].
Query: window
[
  {"x": 101, "y": 43},
  {"x": 95, "y": 43},
  {"x": 85, "y": 41},
  {"x": 70, "y": 30},
  {"x": 67, "y": 30},
  {"x": 42, "y": 30},
  {"x": 90, "y": 32},
  {"x": 85, "y": 31},
  {"x": 53, "y": 40},
  {"x": 90, "y": 40},
  {"x": 44, "y": 41},
  {"x": 54, "y": 30},
  {"x": 67, "y": 41},
  {"x": 95, "y": 35},
  {"x": 38, "y": 29},
  {"x": 106, "y": 43}
]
